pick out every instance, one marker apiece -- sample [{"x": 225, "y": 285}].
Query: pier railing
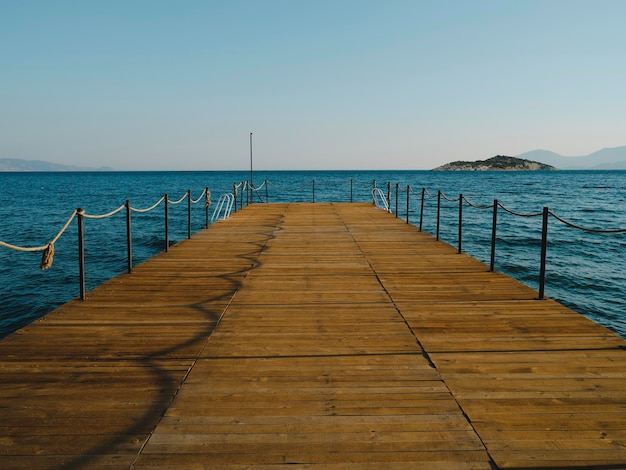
[
  {"x": 395, "y": 196},
  {"x": 244, "y": 193},
  {"x": 222, "y": 210}
]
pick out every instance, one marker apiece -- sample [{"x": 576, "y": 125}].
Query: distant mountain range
[
  {"x": 15, "y": 164},
  {"x": 605, "y": 159}
]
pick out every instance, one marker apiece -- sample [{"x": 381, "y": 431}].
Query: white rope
[
  {"x": 199, "y": 197},
  {"x": 41, "y": 248},
  {"x": 103, "y": 216},
  {"x": 179, "y": 201},
  {"x": 149, "y": 208}
]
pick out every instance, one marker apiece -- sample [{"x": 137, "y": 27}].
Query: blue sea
[{"x": 585, "y": 271}]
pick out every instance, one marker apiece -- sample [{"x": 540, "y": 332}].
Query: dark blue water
[{"x": 585, "y": 271}]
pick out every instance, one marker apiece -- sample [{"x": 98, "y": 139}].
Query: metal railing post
[
  {"x": 206, "y": 208},
  {"x": 267, "y": 196},
  {"x": 492, "y": 263},
  {"x": 351, "y": 183},
  {"x": 389, "y": 195},
  {"x": 438, "y": 212},
  {"x": 422, "y": 208},
  {"x": 129, "y": 237},
  {"x": 408, "y": 190},
  {"x": 189, "y": 213},
  {"x": 544, "y": 252},
  {"x": 460, "y": 223},
  {"x": 397, "y": 187},
  {"x": 167, "y": 223},
  {"x": 373, "y": 189},
  {"x": 81, "y": 252},
  {"x": 313, "y": 189}
]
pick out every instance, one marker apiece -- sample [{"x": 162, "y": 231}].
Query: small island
[{"x": 499, "y": 162}]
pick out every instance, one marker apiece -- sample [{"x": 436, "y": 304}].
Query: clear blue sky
[{"x": 337, "y": 84}]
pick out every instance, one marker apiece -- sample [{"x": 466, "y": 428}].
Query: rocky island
[{"x": 499, "y": 162}]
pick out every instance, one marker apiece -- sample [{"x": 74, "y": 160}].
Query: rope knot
[
  {"x": 47, "y": 256},
  {"x": 208, "y": 198}
]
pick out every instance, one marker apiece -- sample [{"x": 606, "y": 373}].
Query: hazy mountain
[
  {"x": 15, "y": 164},
  {"x": 605, "y": 159}
]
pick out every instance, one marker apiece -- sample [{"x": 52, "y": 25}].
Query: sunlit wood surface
[{"x": 325, "y": 335}]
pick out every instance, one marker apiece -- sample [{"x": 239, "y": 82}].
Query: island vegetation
[{"x": 499, "y": 162}]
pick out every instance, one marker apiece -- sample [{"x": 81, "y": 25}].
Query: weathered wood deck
[{"x": 345, "y": 338}]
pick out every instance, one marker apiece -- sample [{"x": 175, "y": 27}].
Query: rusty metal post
[
  {"x": 494, "y": 224},
  {"x": 129, "y": 238},
  {"x": 81, "y": 251},
  {"x": 544, "y": 252}
]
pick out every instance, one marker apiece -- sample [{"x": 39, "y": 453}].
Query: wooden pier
[{"x": 325, "y": 335}]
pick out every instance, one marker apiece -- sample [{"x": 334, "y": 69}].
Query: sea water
[{"x": 585, "y": 271}]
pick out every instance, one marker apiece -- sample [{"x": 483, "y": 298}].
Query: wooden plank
[{"x": 324, "y": 335}]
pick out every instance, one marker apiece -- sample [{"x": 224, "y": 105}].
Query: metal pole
[
  {"x": 460, "y": 223},
  {"x": 544, "y": 251},
  {"x": 389, "y": 195},
  {"x": 206, "y": 208},
  {"x": 422, "y": 208},
  {"x": 408, "y": 189},
  {"x": 313, "y": 189},
  {"x": 167, "y": 224},
  {"x": 492, "y": 264},
  {"x": 267, "y": 196},
  {"x": 438, "y": 211},
  {"x": 189, "y": 213},
  {"x": 129, "y": 238},
  {"x": 251, "y": 183},
  {"x": 81, "y": 252},
  {"x": 351, "y": 183},
  {"x": 397, "y": 186}
]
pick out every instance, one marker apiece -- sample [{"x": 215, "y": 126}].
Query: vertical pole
[
  {"x": 408, "y": 190},
  {"x": 351, "y": 183},
  {"x": 438, "y": 212},
  {"x": 81, "y": 252},
  {"x": 544, "y": 251},
  {"x": 189, "y": 213},
  {"x": 206, "y": 208},
  {"x": 167, "y": 224},
  {"x": 129, "y": 238},
  {"x": 460, "y": 223},
  {"x": 313, "y": 189},
  {"x": 267, "y": 196},
  {"x": 251, "y": 183},
  {"x": 494, "y": 224},
  {"x": 422, "y": 208},
  {"x": 397, "y": 187},
  {"x": 373, "y": 189}
]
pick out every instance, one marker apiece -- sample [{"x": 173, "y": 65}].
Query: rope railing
[
  {"x": 377, "y": 194},
  {"x": 81, "y": 215}
]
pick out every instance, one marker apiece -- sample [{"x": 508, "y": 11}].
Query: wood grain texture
[{"x": 320, "y": 335}]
